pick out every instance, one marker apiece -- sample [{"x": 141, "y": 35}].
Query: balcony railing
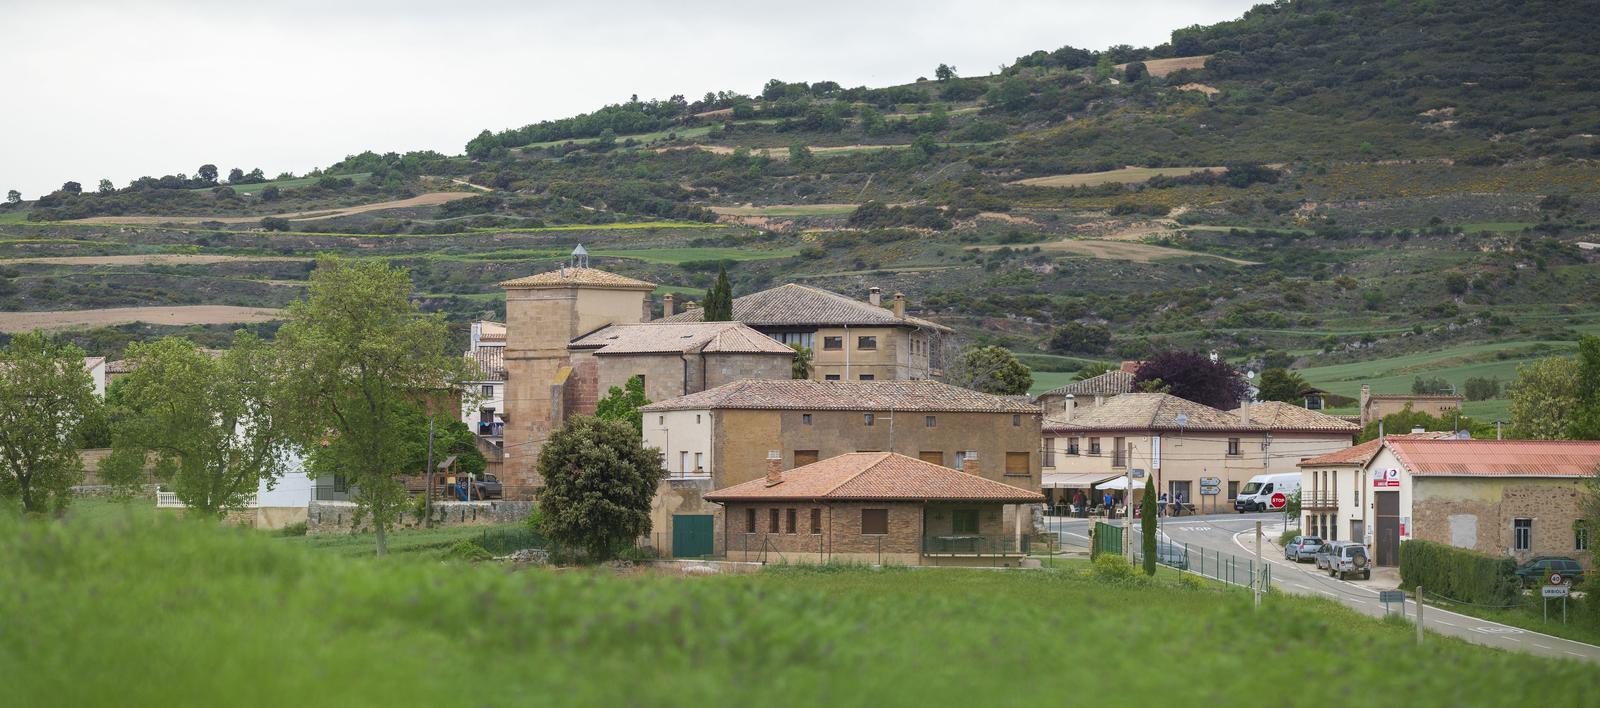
[
  {"x": 169, "y": 500},
  {"x": 1319, "y": 500},
  {"x": 959, "y": 544}
]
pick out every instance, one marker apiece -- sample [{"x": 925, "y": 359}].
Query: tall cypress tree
[
  {"x": 719, "y": 298},
  {"x": 1147, "y": 524}
]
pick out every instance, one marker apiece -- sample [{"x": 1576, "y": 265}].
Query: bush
[
  {"x": 297, "y": 528},
  {"x": 468, "y": 550},
  {"x": 1110, "y": 568},
  {"x": 1287, "y": 536},
  {"x": 1191, "y": 582},
  {"x": 1458, "y": 574}
]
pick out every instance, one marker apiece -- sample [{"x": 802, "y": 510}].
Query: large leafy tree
[
  {"x": 1585, "y": 424},
  {"x": 44, "y": 393},
  {"x": 1193, "y": 376},
  {"x": 358, "y": 359},
  {"x": 599, "y": 480},
  {"x": 206, "y": 421},
  {"x": 1543, "y": 399},
  {"x": 1281, "y": 385},
  {"x": 623, "y": 404},
  {"x": 991, "y": 370},
  {"x": 718, "y": 306}
]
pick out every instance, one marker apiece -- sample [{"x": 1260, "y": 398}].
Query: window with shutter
[
  {"x": 874, "y": 521},
  {"x": 1017, "y": 463}
]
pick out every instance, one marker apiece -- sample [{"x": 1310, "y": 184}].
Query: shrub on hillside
[
  {"x": 1111, "y": 568},
  {"x": 1458, "y": 574}
]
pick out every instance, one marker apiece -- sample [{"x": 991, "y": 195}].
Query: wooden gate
[
  {"x": 691, "y": 535},
  {"x": 1387, "y": 538}
]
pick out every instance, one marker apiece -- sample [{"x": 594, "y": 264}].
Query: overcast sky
[{"x": 123, "y": 89}]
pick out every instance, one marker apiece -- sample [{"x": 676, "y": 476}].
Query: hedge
[{"x": 1459, "y": 574}]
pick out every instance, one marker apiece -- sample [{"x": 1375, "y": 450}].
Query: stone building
[
  {"x": 1520, "y": 498},
  {"x": 877, "y": 507},
  {"x": 721, "y": 436},
  {"x": 1180, "y": 443},
  {"x": 850, "y": 340},
  {"x": 573, "y": 333},
  {"x": 1374, "y": 406},
  {"x": 1332, "y": 498},
  {"x": 1064, "y": 402}
]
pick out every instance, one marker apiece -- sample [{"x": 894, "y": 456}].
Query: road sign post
[
  {"x": 1420, "y": 603},
  {"x": 1258, "y": 569},
  {"x": 1388, "y": 596}
]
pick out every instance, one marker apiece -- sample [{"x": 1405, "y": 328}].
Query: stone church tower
[{"x": 544, "y": 313}]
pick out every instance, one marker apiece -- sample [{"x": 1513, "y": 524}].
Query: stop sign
[{"x": 1278, "y": 500}]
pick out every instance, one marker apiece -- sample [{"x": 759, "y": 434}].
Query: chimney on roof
[
  {"x": 969, "y": 463},
  {"x": 900, "y": 305},
  {"x": 774, "y": 467},
  {"x": 1244, "y": 412},
  {"x": 874, "y": 296},
  {"x": 691, "y": 305},
  {"x": 666, "y": 305}
]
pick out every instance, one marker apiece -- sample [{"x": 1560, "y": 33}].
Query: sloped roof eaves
[
  {"x": 881, "y": 477},
  {"x": 922, "y": 395},
  {"x": 794, "y": 305},
  {"x": 1110, "y": 383},
  {"x": 1566, "y": 459},
  {"x": 573, "y": 277},
  {"x": 677, "y": 337}
]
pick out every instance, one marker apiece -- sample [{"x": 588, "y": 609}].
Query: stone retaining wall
[{"x": 340, "y": 516}]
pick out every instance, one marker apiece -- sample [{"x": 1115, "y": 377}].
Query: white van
[{"x": 1267, "y": 492}]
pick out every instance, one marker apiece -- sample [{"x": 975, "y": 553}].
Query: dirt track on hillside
[
  {"x": 181, "y": 315},
  {"x": 429, "y": 199},
  {"x": 1121, "y": 250},
  {"x": 144, "y": 259}
]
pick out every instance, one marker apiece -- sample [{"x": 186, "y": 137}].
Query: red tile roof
[
  {"x": 1164, "y": 411},
  {"x": 664, "y": 337},
  {"x": 587, "y": 277},
  {"x": 876, "y": 476},
  {"x": 792, "y": 304},
  {"x": 1359, "y": 455},
  {"x": 803, "y": 394},
  {"x": 1497, "y": 458}
]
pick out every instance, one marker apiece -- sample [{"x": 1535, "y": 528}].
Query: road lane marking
[
  {"x": 1329, "y": 594},
  {"x": 1541, "y": 646},
  {"x": 1447, "y": 624},
  {"x": 1574, "y": 653}
]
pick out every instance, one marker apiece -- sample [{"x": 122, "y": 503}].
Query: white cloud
[{"x": 121, "y": 90}]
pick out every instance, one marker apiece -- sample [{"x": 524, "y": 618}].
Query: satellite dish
[{"x": 1183, "y": 419}]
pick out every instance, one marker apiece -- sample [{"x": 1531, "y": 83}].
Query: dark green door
[{"x": 691, "y": 535}]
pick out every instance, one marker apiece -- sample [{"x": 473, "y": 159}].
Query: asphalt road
[{"x": 1234, "y": 533}]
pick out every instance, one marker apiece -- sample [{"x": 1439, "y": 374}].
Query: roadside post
[
  {"x": 1260, "y": 575},
  {"x": 1389, "y": 596},
  {"x": 1420, "y": 603},
  {"x": 1554, "y": 587}
]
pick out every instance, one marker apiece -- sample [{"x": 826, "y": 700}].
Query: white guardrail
[{"x": 169, "y": 500}]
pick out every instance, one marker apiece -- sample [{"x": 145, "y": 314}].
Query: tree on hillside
[
  {"x": 1147, "y": 524},
  {"x": 1407, "y": 420},
  {"x": 269, "y": 194},
  {"x": 207, "y": 174},
  {"x": 599, "y": 480},
  {"x": 1481, "y": 388},
  {"x": 106, "y": 187},
  {"x": 1135, "y": 71},
  {"x": 1430, "y": 385},
  {"x": 205, "y": 421},
  {"x": 990, "y": 370},
  {"x": 1543, "y": 398},
  {"x": 623, "y": 404},
  {"x": 799, "y": 154},
  {"x": 44, "y": 393},
  {"x": 1078, "y": 338},
  {"x": 718, "y": 304},
  {"x": 1193, "y": 376},
  {"x": 801, "y": 368},
  {"x": 72, "y": 188},
  {"x": 1281, "y": 385},
  {"x": 235, "y": 175},
  {"x": 1585, "y": 423},
  {"x": 357, "y": 357},
  {"x": 945, "y": 72},
  {"x": 13, "y": 196}
]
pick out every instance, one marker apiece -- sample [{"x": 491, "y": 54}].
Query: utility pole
[
  {"x": 1260, "y": 571},
  {"x": 427, "y": 493}
]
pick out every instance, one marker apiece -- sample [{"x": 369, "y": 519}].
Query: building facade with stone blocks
[
  {"x": 724, "y": 434},
  {"x": 1182, "y": 443},
  {"x": 1518, "y": 498},
  {"x": 1333, "y": 499},
  {"x": 849, "y": 339},
  {"x": 879, "y": 508},
  {"x": 1065, "y": 402},
  {"x": 1374, "y": 406}
]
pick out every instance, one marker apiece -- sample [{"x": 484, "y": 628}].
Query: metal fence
[{"x": 1216, "y": 565}]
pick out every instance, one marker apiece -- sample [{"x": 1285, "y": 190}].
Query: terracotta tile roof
[
  {"x": 1415, "y": 397},
  {"x": 1359, "y": 455},
  {"x": 121, "y": 366},
  {"x": 876, "y": 476},
  {"x": 792, "y": 304},
  {"x": 664, "y": 337},
  {"x": 491, "y": 363},
  {"x": 1277, "y": 415},
  {"x": 790, "y": 394},
  {"x": 587, "y": 277},
  {"x": 1497, "y": 458},
  {"x": 491, "y": 331},
  {"x": 1110, "y": 383},
  {"x": 1161, "y": 411}
]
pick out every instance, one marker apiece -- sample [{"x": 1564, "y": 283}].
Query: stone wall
[
  {"x": 1456, "y": 511},
  {"x": 727, "y": 368},
  {"x": 340, "y": 516}
]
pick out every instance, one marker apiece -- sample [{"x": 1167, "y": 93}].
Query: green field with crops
[{"x": 124, "y": 611}]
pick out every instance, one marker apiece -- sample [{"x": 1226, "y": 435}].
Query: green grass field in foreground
[{"x": 132, "y": 613}]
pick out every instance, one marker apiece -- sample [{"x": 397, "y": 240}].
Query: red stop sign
[{"x": 1278, "y": 500}]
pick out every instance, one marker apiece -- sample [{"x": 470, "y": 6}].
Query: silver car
[
  {"x": 1324, "y": 554},
  {"x": 1302, "y": 548}
]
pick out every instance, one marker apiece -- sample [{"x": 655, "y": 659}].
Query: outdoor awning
[
  {"x": 1063, "y": 480},
  {"x": 1120, "y": 482}
]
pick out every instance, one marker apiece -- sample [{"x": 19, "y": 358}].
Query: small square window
[
  {"x": 1522, "y": 530},
  {"x": 1094, "y": 446},
  {"x": 1016, "y": 421},
  {"x": 488, "y": 390},
  {"x": 830, "y": 377},
  {"x": 697, "y": 419},
  {"x": 832, "y": 343},
  {"x": 1580, "y": 536},
  {"x": 868, "y": 418},
  {"x": 1233, "y": 447},
  {"x": 867, "y": 343},
  {"x": 930, "y": 421},
  {"x": 661, "y": 420},
  {"x": 875, "y": 521},
  {"x": 341, "y": 483},
  {"x": 805, "y": 419},
  {"x": 868, "y": 377}
]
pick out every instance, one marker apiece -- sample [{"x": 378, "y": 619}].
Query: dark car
[
  {"x": 487, "y": 488},
  {"x": 1535, "y": 571},
  {"x": 1302, "y": 548}
]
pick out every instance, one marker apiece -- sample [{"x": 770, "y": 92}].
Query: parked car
[
  {"x": 1324, "y": 555},
  {"x": 1302, "y": 548},
  {"x": 487, "y": 488},
  {"x": 1349, "y": 559},
  {"x": 1534, "y": 572}
]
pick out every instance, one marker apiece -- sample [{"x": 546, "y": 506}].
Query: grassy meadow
[{"x": 117, "y": 609}]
